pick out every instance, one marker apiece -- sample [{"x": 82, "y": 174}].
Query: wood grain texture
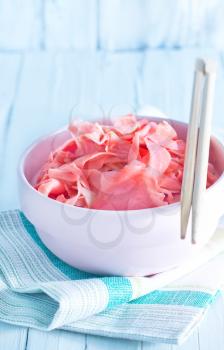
[
  {"x": 71, "y": 24},
  {"x": 28, "y": 114},
  {"x": 9, "y": 73},
  {"x": 111, "y": 25},
  {"x": 190, "y": 344},
  {"x": 153, "y": 24},
  {"x": 211, "y": 330},
  {"x": 154, "y": 346},
  {"x": 166, "y": 81},
  {"x": 20, "y": 24},
  {"x": 59, "y": 340},
  {"x": 96, "y": 343}
]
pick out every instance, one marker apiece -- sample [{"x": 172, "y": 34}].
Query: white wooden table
[{"x": 37, "y": 91}]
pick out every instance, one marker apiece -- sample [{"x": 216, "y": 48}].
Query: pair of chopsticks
[{"x": 197, "y": 147}]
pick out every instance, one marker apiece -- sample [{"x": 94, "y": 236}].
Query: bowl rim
[{"x": 28, "y": 149}]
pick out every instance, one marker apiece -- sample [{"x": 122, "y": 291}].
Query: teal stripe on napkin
[{"x": 181, "y": 297}]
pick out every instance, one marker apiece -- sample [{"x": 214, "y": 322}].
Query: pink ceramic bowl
[{"x": 128, "y": 243}]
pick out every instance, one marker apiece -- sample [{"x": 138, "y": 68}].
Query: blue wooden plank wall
[{"x": 110, "y": 24}]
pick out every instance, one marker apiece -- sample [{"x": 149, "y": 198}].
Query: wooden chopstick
[
  {"x": 197, "y": 147},
  {"x": 202, "y": 157},
  {"x": 191, "y": 147}
]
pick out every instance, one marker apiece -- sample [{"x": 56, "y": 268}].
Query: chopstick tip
[
  {"x": 193, "y": 241},
  {"x": 183, "y": 231},
  {"x": 206, "y": 65},
  {"x": 200, "y": 65}
]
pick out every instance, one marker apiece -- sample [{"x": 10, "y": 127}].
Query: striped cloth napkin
[{"x": 39, "y": 290}]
